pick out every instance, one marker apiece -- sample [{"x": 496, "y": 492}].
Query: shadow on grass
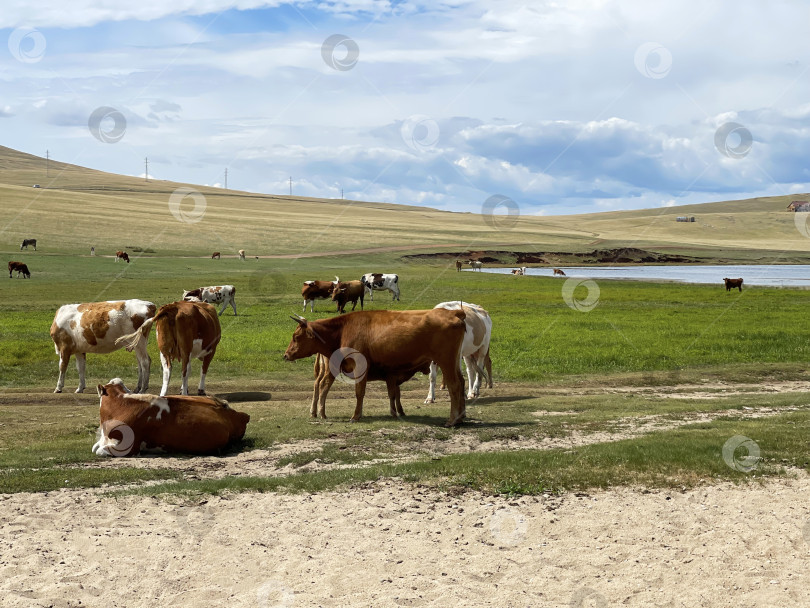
[{"x": 239, "y": 397}]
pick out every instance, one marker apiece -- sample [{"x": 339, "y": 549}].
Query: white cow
[
  {"x": 215, "y": 294},
  {"x": 475, "y": 265},
  {"x": 474, "y": 348},
  {"x": 94, "y": 327},
  {"x": 242, "y": 254},
  {"x": 381, "y": 282}
]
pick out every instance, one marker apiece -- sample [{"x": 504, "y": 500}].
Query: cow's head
[
  {"x": 338, "y": 289},
  {"x": 305, "y": 340}
]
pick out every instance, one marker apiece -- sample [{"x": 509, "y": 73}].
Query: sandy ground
[{"x": 389, "y": 545}]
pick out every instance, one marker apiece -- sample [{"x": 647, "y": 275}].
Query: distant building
[
  {"x": 685, "y": 218},
  {"x": 799, "y": 207}
]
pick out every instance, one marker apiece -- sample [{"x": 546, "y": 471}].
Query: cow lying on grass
[{"x": 193, "y": 425}]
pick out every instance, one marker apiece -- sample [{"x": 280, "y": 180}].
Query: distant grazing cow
[
  {"x": 94, "y": 327},
  {"x": 92, "y": 251},
  {"x": 348, "y": 291},
  {"x": 184, "y": 330},
  {"x": 122, "y": 255},
  {"x": 216, "y": 255},
  {"x": 317, "y": 290},
  {"x": 324, "y": 378},
  {"x": 459, "y": 265},
  {"x": 381, "y": 282},
  {"x": 215, "y": 294},
  {"x": 388, "y": 344},
  {"x": 27, "y": 242},
  {"x": 193, "y": 425},
  {"x": 519, "y": 271},
  {"x": 733, "y": 283},
  {"x": 474, "y": 349},
  {"x": 242, "y": 254},
  {"x": 558, "y": 272},
  {"x": 475, "y": 265},
  {"x": 20, "y": 268}
]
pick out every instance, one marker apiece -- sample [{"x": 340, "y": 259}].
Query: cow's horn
[{"x": 297, "y": 319}]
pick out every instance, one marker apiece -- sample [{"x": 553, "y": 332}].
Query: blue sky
[{"x": 568, "y": 107}]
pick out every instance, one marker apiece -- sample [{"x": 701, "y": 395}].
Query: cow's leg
[
  {"x": 451, "y": 371},
  {"x": 488, "y": 367},
  {"x": 473, "y": 377},
  {"x": 205, "y": 363},
  {"x": 326, "y": 384},
  {"x": 398, "y": 399},
  {"x": 144, "y": 366},
  {"x": 185, "y": 369},
  {"x": 166, "y": 363},
  {"x": 360, "y": 393},
  {"x": 431, "y": 396},
  {"x": 224, "y": 306},
  {"x": 323, "y": 382},
  {"x": 64, "y": 359},
  {"x": 233, "y": 305},
  {"x": 81, "y": 360},
  {"x": 393, "y": 395}
]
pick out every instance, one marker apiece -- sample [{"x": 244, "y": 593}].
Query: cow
[
  {"x": 475, "y": 265},
  {"x": 388, "y": 344},
  {"x": 122, "y": 255},
  {"x": 459, "y": 265},
  {"x": 517, "y": 271},
  {"x": 324, "y": 378},
  {"x": 474, "y": 348},
  {"x": 241, "y": 254},
  {"x": 216, "y": 255},
  {"x": 730, "y": 284},
  {"x": 20, "y": 268},
  {"x": 195, "y": 425},
  {"x": 215, "y": 294},
  {"x": 348, "y": 291},
  {"x": 184, "y": 330},
  {"x": 381, "y": 282},
  {"x": 92, "y": 251},
  {"x": 557, "y": 272},
  {"x": 317, "y": 290},
  {"x": 27, "y": 242},
  {"x": 94, "y": 327}
]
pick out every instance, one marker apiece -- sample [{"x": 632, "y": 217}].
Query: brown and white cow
[
  {"x": 381, "y": 282},
  {"x": 325, "y": 377},
  {"x": 317, "y": 290},
  {"x": 730, "y": 284},
  {"x": 193, "y": 425},
  {"x": 242, "y": 254},
  {"x": 122, "y": 255},
  {"x": 184, "y": 330},
  {"x": 517, "y": 271},
  {"x": 215, "y": 294},
  {"x": 348, "y": 291},
  {"x": 94, "y": 327},
  {"x": 27, "y": 242},
  {"x": 388, "y": 344},
  {"x": 20, "y": 268},
  {"x": 474, "y": 349},
  {"x": 557, "y": 272},
  {"x": 216, "y": 255}
]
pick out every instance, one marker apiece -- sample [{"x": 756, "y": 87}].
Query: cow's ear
[{"x": 101, "y": 390}]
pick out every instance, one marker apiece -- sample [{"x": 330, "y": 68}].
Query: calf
[
  {"x": 215, "y": 294},
  {"x": 388, "y": 345},
  {"x": 20, "y": 268},
  {"x": 242, "y": 254},
  {"x": 94, "y": 327},
  {"x": 184, "y": 330},
  {"x": 476, "y": 265},
  {"x": 317, "y": 290},
  {"x": 215, "y": 255},
  {"x": 195, "y": 425},
  {"x": 121, "y": 255},
  {"x": 324, "y": 378},
  {"x": 381, "y": 282},
  {"x": 27, "y": 242},
  {"x": 348, "y": 291},
  {"x": 474, "y": 349},
  {"x": 733, "y": 283}
]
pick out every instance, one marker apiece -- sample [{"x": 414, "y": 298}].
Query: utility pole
[
  {"x": 47, "y": 163},
  {"x": 341, "y": 194},
  {"x": 146, "y": 168},
  {"x": 226, "y": 178}
]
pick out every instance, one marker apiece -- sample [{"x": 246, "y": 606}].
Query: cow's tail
[{"x": 131, "y": 341}]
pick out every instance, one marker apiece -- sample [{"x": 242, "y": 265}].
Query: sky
[{"x": 550, "y": 107}]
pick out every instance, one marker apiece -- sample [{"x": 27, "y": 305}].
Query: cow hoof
[
  {"x": 59, "y": 390},
  {"x": 79, "y": 390},
  {"x": 353, "y": 419},
  {"x": 201, "y": 393},
  {"x": 430, "y": 401}
]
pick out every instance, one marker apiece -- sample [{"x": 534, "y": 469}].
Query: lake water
[{"x": 797, "y": 275}]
